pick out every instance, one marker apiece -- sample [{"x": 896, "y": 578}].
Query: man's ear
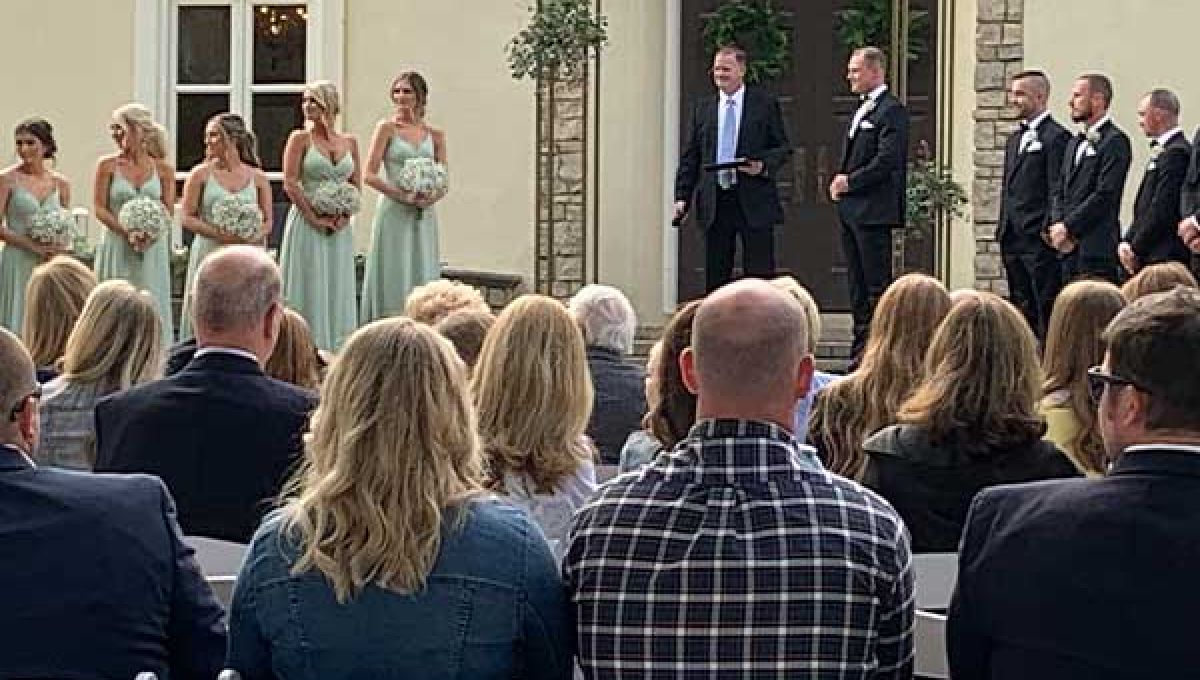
[
  {"x": 29, "y": 421},
  {"x": 687, "y": 370},
  {"x": 804, "y": 376}
]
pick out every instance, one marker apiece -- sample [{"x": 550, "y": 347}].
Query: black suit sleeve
[
  {"x": 104, "y": 461},
  {"x": 688, "y": 173},
  {"x": 1110, "y": 182},
  {"x": 1161, "y": 222},
  {"x": 967, "y": 645},
  {"x": 1058, "y": 188},
  {"x": 893, "y": 148},
  {"x": 1055, "y": 147},
  {"x": 778, "y": 147}
]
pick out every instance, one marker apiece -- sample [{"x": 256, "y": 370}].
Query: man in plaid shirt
[{"x": 734, "y": 556}]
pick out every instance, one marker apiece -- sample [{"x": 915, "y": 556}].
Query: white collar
[
  {"x": 235, "y": 351},
  {"x": 737, "y": 96},
  {"x": 1166, "y": 136},
  {"x": 1099, "y": 124},
  {"x": 1181, "y": 448},
  {"x": 1037, "y": 120},
  {"x": 874, "y": 94}
]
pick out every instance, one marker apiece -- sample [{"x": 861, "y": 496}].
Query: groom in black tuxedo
[
  {"x": 869, "y": 190},
  {"x": 1087, "y": 201},
  {"x": 741, "y": 123}
]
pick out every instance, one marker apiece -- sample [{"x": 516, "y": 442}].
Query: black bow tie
[
  {"x": 1024, "y": 126},
  {"x": 1081, "y": 136},
  {"x": 862, "y": 98},
  {"x": 1153, "y": 143}
]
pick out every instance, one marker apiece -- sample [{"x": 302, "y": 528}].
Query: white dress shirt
[
  {"x": 1166, "y": 136},
  {"x": 738, "y": 98},
  {"x": 1030, "y": 135},
  {"x": 1085, "y": 145},
  {"x": 235, "y": 351},
  {"x": 863, "y": 109}
]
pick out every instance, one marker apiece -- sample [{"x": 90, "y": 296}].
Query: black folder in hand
[{"x": 727, "y": 165}]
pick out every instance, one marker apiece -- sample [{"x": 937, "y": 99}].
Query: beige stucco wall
[
  {"x": 961, "y": 87},
  {"x": 70, "y": 62},
  {"x": 458, "y": 45}
]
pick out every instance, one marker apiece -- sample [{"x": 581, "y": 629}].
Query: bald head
[
  {"x": 749, "y": 340},
  {"x": 18, "y": 380},
  {"x": 236, "y": 300}
]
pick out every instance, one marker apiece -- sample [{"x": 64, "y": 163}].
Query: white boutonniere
[
  {"x": 1090, "y": 150},
  {"x": 1155, "y": 152},
  {"x": 1093, "y": 137},
  {"x": 869, "y": 106},
  {"x": 1034, "y": 147}
]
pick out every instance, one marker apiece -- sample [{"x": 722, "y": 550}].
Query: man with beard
[{"x": 1087, "y": 201}]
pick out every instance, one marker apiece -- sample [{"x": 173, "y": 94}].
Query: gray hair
[
  {"x": 873, "y": 56},
  {"x": 235, "y": 288},
  {"x": 1165, "y": 100},
  {"x": 605, "y": 316}
]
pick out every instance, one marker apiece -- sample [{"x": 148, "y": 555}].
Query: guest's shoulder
[
  {"x": 288, "y": 396},
  {"x": 494, "y": 521},
  {"x": 124, "y": 399},
  {"x": 108, "y": 491}
]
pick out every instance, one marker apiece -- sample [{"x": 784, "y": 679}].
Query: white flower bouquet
[
  {"x": 237, "y": 218},
  {"x": 423, "y": 176},
  {"x": 335, "y": 199},
  {"x": 52, "y": 227},
  {"x": 144, "y": 217}
]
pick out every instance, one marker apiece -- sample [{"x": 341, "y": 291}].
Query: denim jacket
[{"x": 494, "y": 606}]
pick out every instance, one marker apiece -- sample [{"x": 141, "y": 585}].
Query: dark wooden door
[{"x": 817, "y": 106}]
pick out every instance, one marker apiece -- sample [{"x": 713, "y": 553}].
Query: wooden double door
[{"x": 817, "y": 105}]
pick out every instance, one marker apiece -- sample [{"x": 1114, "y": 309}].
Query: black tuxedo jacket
[
  {"x": 1029, "y": 181},
  {"x": 876, "y": 161},
  {"x": 761, "y": 136},
  {"x": 1154, "y": 233},
  {"x": 1190, "y": 194},
  {"x": 1088, "y": 197},
  {"x": 1087, "y": 578},
  {"x": 221, "y": 433}
]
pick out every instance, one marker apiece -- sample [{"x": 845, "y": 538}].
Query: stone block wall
[{"x": 562, "y": 190}]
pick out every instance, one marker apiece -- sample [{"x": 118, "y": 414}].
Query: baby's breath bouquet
[
  {"x": 53, "y": 227},
  {"x": 144, "y": 217},
  {"x": 237, "y": 218},
  {"x": 423, "y": 176},
  {"x": 335, "y": 199}
]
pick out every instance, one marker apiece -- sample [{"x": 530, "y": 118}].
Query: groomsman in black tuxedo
[
  {"x": 1087, "y": 201},
  {"x": 741, "y": 123},
  {"x": 869, "y": 188},
  {"x": 1189, "y": 226},
  {"x": 1032, "y": 165},
  {"x": 1153, "y": 236}
]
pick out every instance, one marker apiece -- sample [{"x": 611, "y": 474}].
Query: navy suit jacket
[
  {"x": 97, "y": 580},
  {"x": 221, "y": 433},
  {"x": 1075, "y": 579}
]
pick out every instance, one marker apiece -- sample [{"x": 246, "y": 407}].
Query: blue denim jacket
[{"x": 494, "y": 606}]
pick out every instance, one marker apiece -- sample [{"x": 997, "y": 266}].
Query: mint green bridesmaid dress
[
  {"x": 16, "y": 264},
  {"x": 203, "y": 245},
  {"x": 149, "y": 270},
  {"x": 318, "y": 267},
  {"x": 404, "y": 242}
]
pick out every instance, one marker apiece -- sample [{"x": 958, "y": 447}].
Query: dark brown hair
[
  {"x": 43, "y": 131},
  {"x": 1158, "y": 278},
  {"x": 670, "y": 419},
  {"x": 466, "y": 329},
  {"x": 241, "y": 136},
  {"x": 420, "y": 88}
]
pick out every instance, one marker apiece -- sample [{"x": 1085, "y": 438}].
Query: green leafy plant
[
  {"x": 562, "y": 35},
  {"x": 931, "y": 193},
  {"x": 869, "y": 22},
  {"x": 755, "y": 26}
]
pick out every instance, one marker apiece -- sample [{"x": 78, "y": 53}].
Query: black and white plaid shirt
[{"x": 733, "y": 556}]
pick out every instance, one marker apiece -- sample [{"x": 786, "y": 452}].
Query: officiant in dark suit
[
  {"x": 870, "y": 187},
  {"x": 1189, "y": 200},
  {"x": 1087, "y": 202},
  {"x": 1032, "y": 163},
  {"x": 741, "y": 123}
]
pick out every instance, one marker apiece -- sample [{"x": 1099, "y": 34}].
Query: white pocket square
[
  {"x": 1089, "y": 151},
  {"x": 867, "y": 125},
  {"x": 1034, "y": 147}
]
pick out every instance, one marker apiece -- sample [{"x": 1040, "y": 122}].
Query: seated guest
[
  {"x": 1096, "y": 579},
  {"x": 387, "y": 559},
  {"x": 295, "y": 359},
  {"x": 98, "y": 581},
  {"x": 1158, "y": 278},
  {"x": 466, "y": 330},
  {"x": 434, "y": 301},
  {"x": 533, "y": 396},
  {"x": 55, "y": 295},
  {"x": 848, "y": 411},
  {"x": 671, "y": 407},
  {"x": 970, "y": 424},
  {"x": 812, "y": 314},
  {"x": 731, "y": 555},
  {"x": 116, "y": 344},
  {"x": 221, "y": 433},
  {"x": 609, "y": 325},
  {"x": 1073, "y": 345},
  {"x": 640, "y": 446}
]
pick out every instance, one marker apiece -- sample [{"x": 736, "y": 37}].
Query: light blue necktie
[{"x": 727, "y": 144}]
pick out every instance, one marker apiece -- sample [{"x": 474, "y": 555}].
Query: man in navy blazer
[
  {"x": 97, "y": 580},
  {"x": 222, "y": 434},
  {"x": 1096, "y": 578}
]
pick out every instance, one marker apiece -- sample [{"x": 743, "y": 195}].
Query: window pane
[
  {"x": 192, "y": 114},
  {"x": 280, "y": 204},
  {"x": 204, "y": 45},
  {"x": 279, "y": 42},
  {"x": 275, "y": 116}
]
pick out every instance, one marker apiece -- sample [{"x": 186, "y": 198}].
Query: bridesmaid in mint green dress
[
  {"x": 231, "y": 168},
  {"x": 139, "y": 169},
  {"x": 316, "y": 256},
  {"x": 404, "y": 235},
  {"x": 26, "y": 189}
]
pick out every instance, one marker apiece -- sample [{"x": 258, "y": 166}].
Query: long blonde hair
[
  {"x": 534, "y": 393},
  {"x": 393, "y": 447},
  {"x": 982, "y": 380},
  {"x": 1075, "y": 343},
  {"x": 848, "y": 411},
  {"x": 294, "y": 358},
  {"x": 54, "y": 297},
  {"x": 138, "y": 117},
  {"x": 1157, "y": 278},
  {"x": 325, "y": 93},
  {"x": 117, "y": 342}
]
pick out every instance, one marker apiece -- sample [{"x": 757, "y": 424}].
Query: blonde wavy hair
[
  {"x": 982, "y": 380},
  {"x": 134, "y": 116},
  {"x": 848, "y": 411},
  {"x": 294, "y": 359},
  {"x": 117, "y": 342},
  {"x": 393, "y": 456},
  {"x": 325, "y": 93},
  {"x": 1075, "y": 343},
  {"x": 534, "y": 394},
  {"x": 1158, "y": 278},
  {"x": 438, "y": 299},
  {"x": 54, "y": 298}
]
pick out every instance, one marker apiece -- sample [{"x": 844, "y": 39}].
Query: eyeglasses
[
  {"x": 36, "y": 393},
  {"x": 1098, "y": 379}
]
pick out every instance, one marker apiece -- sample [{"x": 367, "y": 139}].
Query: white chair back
[
  {"x": 217, "y": 557},
  {"x": 929, "y": 633},
  {"x": 935, "y": 574}
]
